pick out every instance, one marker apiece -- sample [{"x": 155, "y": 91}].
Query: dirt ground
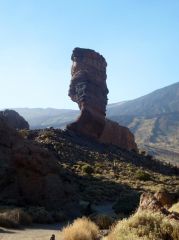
[{"x": 36, "y": 232}]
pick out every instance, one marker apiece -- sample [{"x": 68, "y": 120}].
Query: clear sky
[{"x": 138, "y": 38}]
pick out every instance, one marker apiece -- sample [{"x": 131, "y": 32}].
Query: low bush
[
  {"x": 80, "y": 229},
  {"x": 14, "y": 218},
  {"x": 40, "y": 215},
  {"x": 145, "y": 226},
  {"x": 102, "y": 221},
  {"x": 175, "y": 208},
  {"x": 87, "y": 169},
  {"x": 24, "y": 133},
  {"x": 142, "y": 175}
]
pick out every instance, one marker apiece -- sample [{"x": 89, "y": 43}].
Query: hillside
[
  {"x": 161, "y": 101},
  {"x": 58, "y": 170},
  {"x": 154, "y": 120}
]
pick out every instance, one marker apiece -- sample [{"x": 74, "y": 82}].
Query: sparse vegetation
[
  {"x": 142, "y": 175},
  {"x": 14, "y": 218},
  {"x": 87, "y": 169}
]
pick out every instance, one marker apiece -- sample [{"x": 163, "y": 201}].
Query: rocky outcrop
[
  {"x": 13, "y": 119},
  {"x": 118, "y": 135},
  {"x": 31, "y": 175},
  {"x": 149, "y": 202},
  {"x": 88, "y": 88}
]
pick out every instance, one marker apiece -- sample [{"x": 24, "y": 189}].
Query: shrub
[
  {"x": 146, "y": 226},
  {"x": 142, "y": 175},
  {"x": 175, "y": 208},
  {"x": 80, "y": 229},
  {"x": 102, "y": 221},
  {"x": 87, "y": 169},
  {"x": 14, "y": 218},
  {"x": 24, "y": 133},
  {"x": 40, "y": 215}
]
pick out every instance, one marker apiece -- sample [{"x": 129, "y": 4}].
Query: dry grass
[
  {"x": 80, "y": 229},
  {"x": 145, "y": 226},
  {"x": 175, "y": 208},
  {"x": 102, "y": 221},
  {"x": 14, "y": 218}
]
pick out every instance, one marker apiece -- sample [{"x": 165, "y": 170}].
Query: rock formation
[
  {"x": 118, "y": 135},
  {"x": 31, "y": 175},
  {"x": 88, "y": 88},
  {"x": 149, "y": 202},
  {"x": 13, "y": 119}
]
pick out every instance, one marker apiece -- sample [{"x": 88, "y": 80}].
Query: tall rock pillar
[{"x": 88, "y": 89}]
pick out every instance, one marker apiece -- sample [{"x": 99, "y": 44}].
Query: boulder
[
  {"x": 149, "y": 202},
  {"x": 13, "y": 119},
  {"x": 165, "y": 198}
]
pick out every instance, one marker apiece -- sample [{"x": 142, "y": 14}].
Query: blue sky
[{"x": 138, "y": 38}]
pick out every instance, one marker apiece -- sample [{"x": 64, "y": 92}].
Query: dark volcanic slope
[{"x": 57, "y": 169}]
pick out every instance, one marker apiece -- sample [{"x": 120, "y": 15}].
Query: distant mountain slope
[
  {"x": 164, "y": 100},
  {"x": 47, "y": 117},
  {"x": 153, "y": 118}
]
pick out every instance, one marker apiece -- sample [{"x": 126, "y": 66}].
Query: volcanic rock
[
  {"x": 13, "y": 119},
  {"x": 88, "y": 88},
  {"x": 118, "y": 135},
  {"x": 150, "y": 203}
]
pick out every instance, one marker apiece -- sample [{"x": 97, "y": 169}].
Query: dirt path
[{"x": 36, "y": 232}]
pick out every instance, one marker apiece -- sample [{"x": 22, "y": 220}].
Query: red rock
[
  {"x": 88, "y": 88},
  {"x": 118, "y": 135},
  {"x": 164, "y": 198},
  {"x": 149, "y": 202}
]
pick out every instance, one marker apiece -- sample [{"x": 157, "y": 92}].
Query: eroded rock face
[
  {"x": 88, "y": 88},
  {"x": 13, "y": 119},
  {"x": 118, "y": 135}
]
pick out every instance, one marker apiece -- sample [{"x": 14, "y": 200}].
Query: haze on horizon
[{"x": 139, "y": 40}]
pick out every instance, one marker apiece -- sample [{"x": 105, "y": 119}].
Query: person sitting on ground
[{"x": 52, "y": 237}]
